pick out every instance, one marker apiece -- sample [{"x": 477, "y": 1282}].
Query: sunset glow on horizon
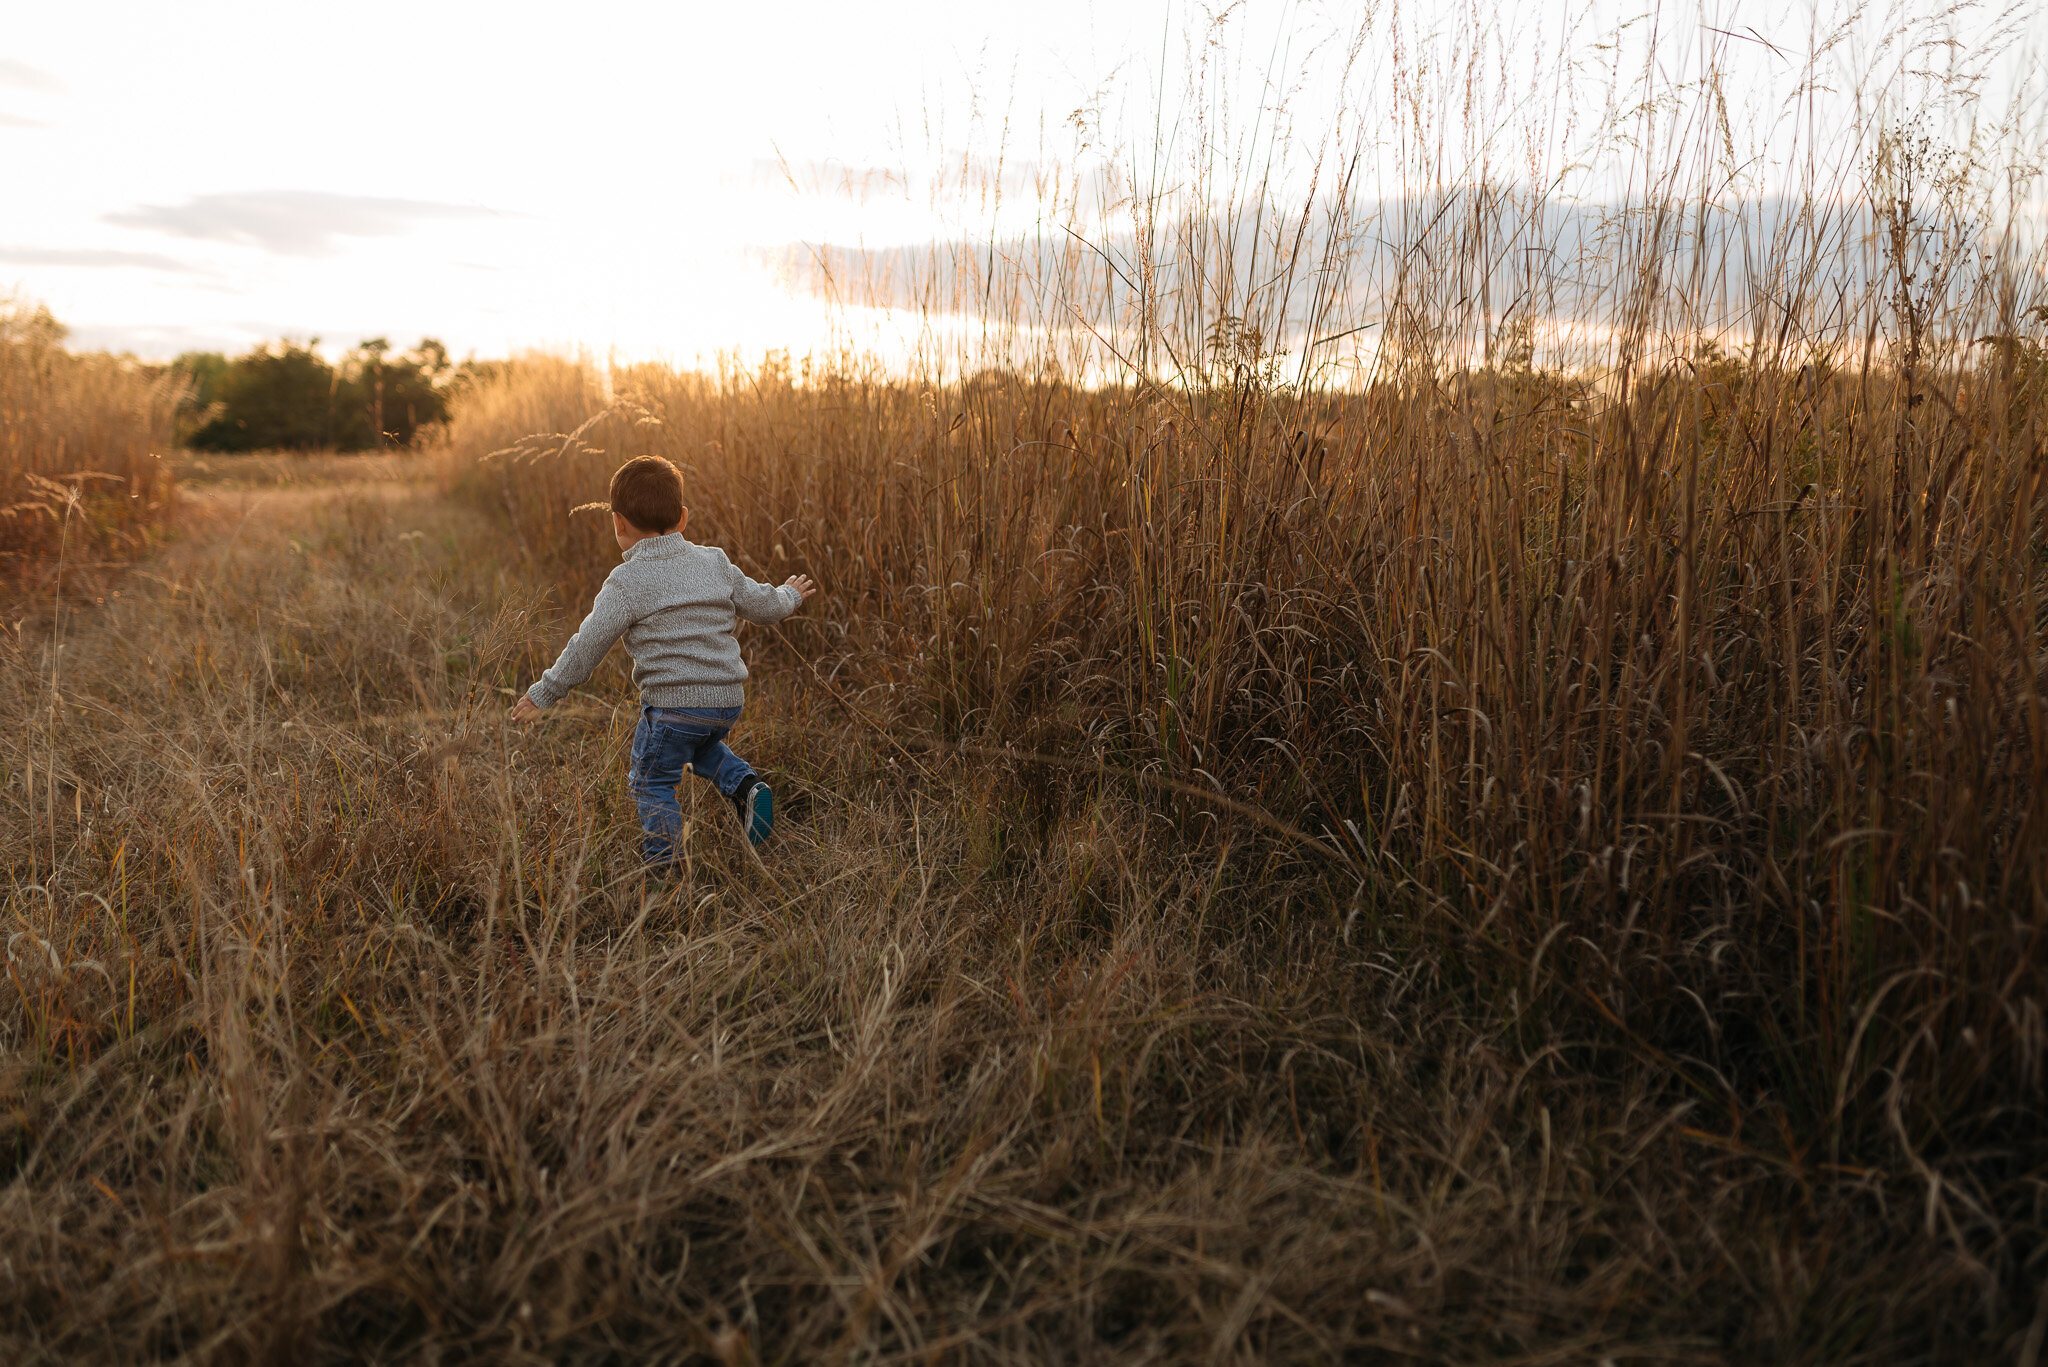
[
  {"x": 500, "y": 177},
  {"x": 631, "y": 182}
]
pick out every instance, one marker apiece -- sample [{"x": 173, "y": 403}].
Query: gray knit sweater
[{"x": 675, "y": 602}]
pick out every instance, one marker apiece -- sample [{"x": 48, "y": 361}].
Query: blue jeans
[{"x": 667, "y": 741}]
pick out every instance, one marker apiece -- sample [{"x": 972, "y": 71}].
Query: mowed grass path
[{"x": 340, "y": 1026}]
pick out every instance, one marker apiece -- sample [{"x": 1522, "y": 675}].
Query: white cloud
[
  {"x": 25, "y": 77},
  {"x": 289, "y": 222},
  {"x": 90, "y": 258}
]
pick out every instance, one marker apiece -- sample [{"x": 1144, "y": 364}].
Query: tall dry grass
[
  {"x": 1655, "y": 653},
  {"x": 1697, "y": 719},
  {"x": 83, "y": 447},
  {"x": 342, "y": 1028}
]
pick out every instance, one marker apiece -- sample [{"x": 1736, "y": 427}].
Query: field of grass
[
  {"x": 1218, "y": 911},
  {"x": 1504, "y": 854}
]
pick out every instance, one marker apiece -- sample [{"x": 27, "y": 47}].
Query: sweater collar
[{"x": 655, "y": 547}]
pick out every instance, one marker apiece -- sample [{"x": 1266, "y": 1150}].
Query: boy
[{"x": 675, "y": 603}]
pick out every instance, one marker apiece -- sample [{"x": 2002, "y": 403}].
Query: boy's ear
[{"x": 684, "y": 520}]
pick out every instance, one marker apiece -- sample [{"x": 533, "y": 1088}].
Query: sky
[
  {"x": 503, "y": 175},
  {"x": 498, "y": 175},
  {"x": 615, "y": 177}
]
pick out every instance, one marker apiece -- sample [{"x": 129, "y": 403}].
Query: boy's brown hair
[{"x": 648, "y": 492}]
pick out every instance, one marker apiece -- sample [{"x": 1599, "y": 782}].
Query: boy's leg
[
  {"x": 658, "y": 758},
  {"x": 715, "y": 761},
  {"x": 736, "y": 779}
]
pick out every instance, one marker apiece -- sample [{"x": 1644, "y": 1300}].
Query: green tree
[
  {"x": 202, "y": 372},
  {"x": 284, "y": 396},
  {"x": 385, "y": 401},
  {"x": 277, "y": 397}
]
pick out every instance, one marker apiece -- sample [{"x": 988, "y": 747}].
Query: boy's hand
[
  {"x": 524, "y": 710},
  {"x": 802, "y": 584}
]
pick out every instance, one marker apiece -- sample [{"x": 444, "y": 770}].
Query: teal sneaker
[{"x": 755, "y": 803}]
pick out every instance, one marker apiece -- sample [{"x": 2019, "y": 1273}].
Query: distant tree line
[{"x": 285, "y": 396}]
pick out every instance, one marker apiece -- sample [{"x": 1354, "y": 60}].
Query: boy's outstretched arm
[
  {"x": 755, "y": 601},
  {"x": 609, "y": 617}
]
